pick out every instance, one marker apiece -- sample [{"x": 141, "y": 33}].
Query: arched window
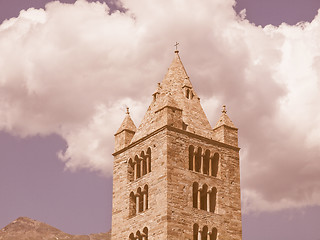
[
  {"x": 206, "y": 160},
  {"x": 187, "y": 93},
  {"x": 198, "y": 160},
  {"x": 149, "y": 160},
  {"x": 139, "y": 236},
  {"x": 132, "y": 204},
  {"x": 214, "y": 234},
  {"x": 140, "y": 201},
  {"x": 191, "y": 157},
  {"x": 203, "y": 197},
  {"x": 204, "y": 234},
  {"x": 131, "y": 236},
  {"x": 145, "y": 233},
  {"x": 130, "y": 170},
  {"x": 215, "y": 165},
  {"x": 195, "y": 188},
  {"x": 143, "y": 163},
  {"x": 195, "y": 231},
  {"x": 213, "y": 199},
  {"x": 138, "y": 167}
]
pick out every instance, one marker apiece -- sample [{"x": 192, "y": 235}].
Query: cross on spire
[
  {"x": 224, "y": 109},
  {"x": 176, "y": 45}
]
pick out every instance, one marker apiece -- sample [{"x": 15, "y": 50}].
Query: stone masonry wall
[
  {"x": 155, "y": 217},
  {"x": 181, "y": 214}
]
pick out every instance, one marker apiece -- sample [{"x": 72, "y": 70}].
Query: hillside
[{"x": 28, "y": 229}]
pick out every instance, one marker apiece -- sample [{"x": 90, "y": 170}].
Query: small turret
[
  {"x": 225, "y": 131},
  {"x": 125, "y": 133}
]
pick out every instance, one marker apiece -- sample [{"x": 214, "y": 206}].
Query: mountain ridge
[{"x": 24, "y": 228}]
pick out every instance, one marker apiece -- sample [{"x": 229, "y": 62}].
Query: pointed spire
[
  {"x": 127, "y": 124},
  {"x": 175, "y": 91},
  {"x": 224, "y": 119}
]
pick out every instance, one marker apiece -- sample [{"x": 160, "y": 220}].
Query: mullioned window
[
  {"x": 138, "y": 201},
  {"x": 203, "y": 161},
  {"x": 140, "y": 165},
  {"x": 203, "y": 197},
  {"x": 204, "y": 233}
]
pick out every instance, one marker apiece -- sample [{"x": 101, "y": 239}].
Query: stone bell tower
[{"x": 175, "y": 177}]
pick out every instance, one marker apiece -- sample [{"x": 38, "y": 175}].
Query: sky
[{"x": 69, "y": 69}]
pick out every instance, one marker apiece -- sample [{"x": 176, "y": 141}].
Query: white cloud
[{"x": 70, "y": 69}]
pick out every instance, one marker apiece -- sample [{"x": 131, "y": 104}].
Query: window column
[
  {"x": 137, "y": 203},
  {"x": 208, "y": 200},
  {"x": 210, "y": 166},
  {"x": 199, "y": 198},
  {"x": 199, "y": 235},
  {"x": 145, "y": 206},
  {"x": 202, "y": 163}
]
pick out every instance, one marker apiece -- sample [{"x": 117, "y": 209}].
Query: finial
[
  {"x": 128, "y": 110},
  {"x": 176, "y": 45},
  {"x": 224, "y": 109}
]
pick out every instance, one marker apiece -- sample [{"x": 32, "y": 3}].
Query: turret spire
[{"x": 126, "y": 132}]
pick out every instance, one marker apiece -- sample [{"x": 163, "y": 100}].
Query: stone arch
[
  {"x": 148, "y": 159},
  {"x": 130, "y": 170},
  {"x": 214, "y": 234},
  {"x": 204, "y": 233},
  {"x": 195, "y": 188},
  {"x": 213, "y": 199},
  {"x": 145, "y": 233},
  {"x": 138, "y": 167},
  {"x": 138, "y": 235},
  {"x": 203, "y": 197},
  {"x": 140, "y": 200},
  {"x": 195, "y": 231},
  {"x": 143, "y": 164},
  {"x": 215, "y": 165},
  {"x": 132, "y": 204},
  {"x": 206, "y": 161},
  {"x": 131, "y": 236},
  {"x": 198, "y": 160},
  {"x": 191, "y": 157}
]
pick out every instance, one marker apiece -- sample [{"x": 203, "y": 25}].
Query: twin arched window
[
  {"x": 139, "y": 235},
  {"x": 140, "y": 165},
  {"x": 203, "y": 197},
  {"x": 205, "y": 233},
  {"x": 203, "y": 161},
  {"x": 138, "y": 201}
]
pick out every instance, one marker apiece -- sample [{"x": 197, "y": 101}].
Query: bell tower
[{"x": 175, "y": 177}]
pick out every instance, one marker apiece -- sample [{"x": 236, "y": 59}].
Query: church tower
[{"x": 175, "y": 177}]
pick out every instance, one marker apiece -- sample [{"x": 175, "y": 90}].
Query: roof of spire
[
  {"x": 176, "y": 91},
  {"x": 127, "y": 124},
  {"x": 224, "y": 119}
]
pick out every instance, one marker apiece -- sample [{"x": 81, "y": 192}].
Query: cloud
[{"x": 70, "y": 69}]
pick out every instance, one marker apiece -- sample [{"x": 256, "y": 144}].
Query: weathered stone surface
[
  {"x": 194, "y": 182},
  {"x": 28, "y": 229}
]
